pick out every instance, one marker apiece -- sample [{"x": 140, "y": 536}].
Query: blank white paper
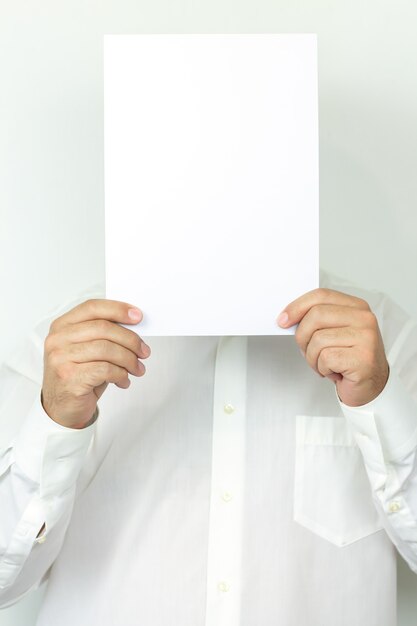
[{"x": 211, "y": 179}]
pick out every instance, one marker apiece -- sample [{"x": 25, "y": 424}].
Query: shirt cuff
[
  {"x": 49, "y": 453},
  {"x": 386, "y": 426}
]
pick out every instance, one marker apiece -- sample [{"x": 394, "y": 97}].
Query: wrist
[{"x": 75, "y": 424}]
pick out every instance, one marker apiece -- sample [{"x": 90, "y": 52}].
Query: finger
[
  {"x": 111, "y": 310},
  {"x": 334, "y": 377},
  {"x": 296, "y": 309},
  {"x": 101, "y": 329},
  {"x": 331, "y": 316},
  {"x": 329, "y": 337},
  {"x": 337, "y": 360},
  {"x": 97, "y": 373},
  {"x": 103, "y": 350}
]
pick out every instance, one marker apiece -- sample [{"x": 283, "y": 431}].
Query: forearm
[
  {"x": 24, "y": 558},
  {"x": 386, "y": 433},
  {"x": 39, "y": 470}
]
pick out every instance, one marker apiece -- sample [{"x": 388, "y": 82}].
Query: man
[{"x": 237, "y": 482}]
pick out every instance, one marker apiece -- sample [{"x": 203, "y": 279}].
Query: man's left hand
[{"x": 340, "y": 339}]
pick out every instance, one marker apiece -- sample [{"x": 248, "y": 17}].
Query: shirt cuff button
[{"x": 394, "y": 506}]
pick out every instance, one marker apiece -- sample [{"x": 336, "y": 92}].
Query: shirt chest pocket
[{"x": 332, "y": 493}]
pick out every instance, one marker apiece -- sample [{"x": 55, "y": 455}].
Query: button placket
[{"x": 227, "y": 480}]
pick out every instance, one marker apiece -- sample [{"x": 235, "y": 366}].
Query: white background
[{"x": 51, "y": 149}]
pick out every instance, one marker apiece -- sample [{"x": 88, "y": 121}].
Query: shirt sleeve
[
  {"x": 385, "y": 430},
  {"x": 40, "y": 461}
]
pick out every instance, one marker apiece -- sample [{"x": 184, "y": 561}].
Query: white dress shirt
[{"x": 228, "y": 486}]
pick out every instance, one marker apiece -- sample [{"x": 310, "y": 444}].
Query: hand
[
  {"x": 86, "y": 350},
  {"x": 340, "y": 338}
]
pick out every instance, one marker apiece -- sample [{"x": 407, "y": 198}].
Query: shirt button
[
  {"x": 226, "y": 496},
  {"x": 228, "y": 408},
  {"x": 223, "y": 586},
  {"x": 394, "y": 506}
]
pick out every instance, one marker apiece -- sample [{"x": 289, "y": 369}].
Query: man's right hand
[{"x": 86, "y": 350}]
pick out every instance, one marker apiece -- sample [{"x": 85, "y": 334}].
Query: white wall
[{"x": 51, "y": 149}]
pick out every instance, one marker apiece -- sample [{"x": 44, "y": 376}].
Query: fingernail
[
  {"x": 302, "y": 352},
  {"x": 146, "y": 349},
  {"x": 135, "y": 314},
  {"x": 283, "y": 319}
]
